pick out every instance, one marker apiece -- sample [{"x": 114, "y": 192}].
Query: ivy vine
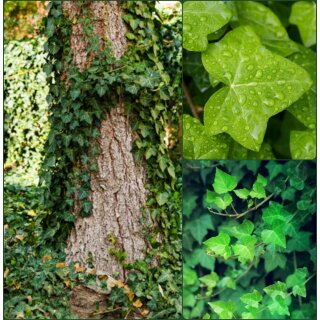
[{"x": 148, "y": 77}]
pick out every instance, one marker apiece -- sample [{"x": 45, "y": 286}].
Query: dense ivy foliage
[
  {"x": 25, "y": 106},
  {"x": 249, "y": 79},
  {"x": 148, "y": 77},
  {"x": 249, "y": 240}
]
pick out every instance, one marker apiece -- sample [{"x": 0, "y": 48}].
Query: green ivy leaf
[
  {"x": 275, "y": 236},
  {"x": 258, "y": 190},
  {"x": 275, "y": 214},
  {"x": 254, "y": 92},
  {"x": 223, "y": 182},
  {"x": 220, "y": 202},
  {"x": 267, "y": 26},
  {"x": 301, "y": 242},
  {"x": 296, "y": 281},
  {"x": 75, "y": 93},
  {"x": 210, "y": 280},
  {"x": 304, "y": 16},
  {"x": 244, "y": 249},
  {"x": 252, "y": 299},
  {"x": 189, "y": 276},
  {"x": 201, "y": 18},
  {"x": 224, "y": 309},
  {"x": 305, "y": 108},
  {"x": 303, "y": 145},
  {"x": 219, "y": 245},
  {"x": 198, "y": 227},
  {"x": 238, "y": 231},
  {"x": 277, "y": 289},
  {"x": 242, "y": 193},
  {"x": 162, "y": 198},
  {"x": 273, "y": 259},
  {"x": 198, "y": 145}
]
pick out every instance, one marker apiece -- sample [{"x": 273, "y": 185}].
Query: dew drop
[
  {"x": 224, "y": 128},
  {"x": 250, "y": 67},
  {"x": 269, "y": 102},
  {"x": 228, "y": 75},
  {"x": 215, "y": 123},
  {"x": 247, "y": 128},
  {"x": 281, "y": 82},
  {"x": 280, "y": 96},
  {"x": 242, "y": 98},
  {"x": 280, "y": 34},
  {"x": 203, "y": 19},
  {"x": 186, "y": 27},
  {"x": 259, "y": 74},
  {"x": 311, "y": 126}
]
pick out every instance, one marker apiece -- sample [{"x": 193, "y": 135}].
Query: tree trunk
[{"x": 118, "y": 192}]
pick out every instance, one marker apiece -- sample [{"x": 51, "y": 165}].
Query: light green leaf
[
  {"x": 223, "y": 182},
  {"x": 198, "y": 145},
  {"x": 274, "y": 214},
  {"x": 238, "y": 231},
  {"x": 201, "y": 18},
  {"x": 220, "y": 202},
  {"x": 278, "y": 306},
  {"x": 259, "y": 84},
  {"x": 245, "y": 249},
  {"x": 303, "y": 145},
  {"x": 162, "y": 198},
  {"x": 227, "y": 282},
  {"x": 189, "y": 300},
  {"x": 242, "y": 193},
  {"x": 258, "y": 190},
  {"x": 296, "y": 281},
  {"x": 210, "y": 280},
  {"x": 277, "y": 289},
  {"x": 304, "y": 16},
  {"x": 275, "y": 236},
  {"x": 219, "y": 245},
  {"x": 267, "y": 26},
  {"x": 252, "y": 299},
  {"x": 305, "y": 108},
  {"x": 264, "y": 153},
  {"x": 189, "y": 276},
  {"x": 224, "y": 309}
]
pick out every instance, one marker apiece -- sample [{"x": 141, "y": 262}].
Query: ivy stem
[
  {"x": 237, "y": 216},
  {"x": 189, "y": 100}
]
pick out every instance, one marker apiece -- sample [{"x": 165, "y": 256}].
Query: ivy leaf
[
  {"x": 267, "y": 26},
  {"x": 258, "y": 190},
  {"x": 223, "y": 182},
  {"x": 278, "y": 293},
  {"x": 162, "y": 198},
  {"x": 296, "y": 281},
  {"x": 275, "y": 236},
  {"x": 301, "y": 242},
  {"x": 198, "y": 145},
  {"x": 279, "y": 306},
  {"x": 224, "y": 309},
  {"x": 242, "y": 193},
  {"x": 210, "y": 280},
  {"x": 220, "y": 202},
  {"x": 273, "y": 259},
  {"x": 199, "y": 227},
  {"x": 245, "y": 248},
  {"x": 219, "y": 245},
  {"x": 227, "y": 282},
  {"x": 189, "y": 276},
  {"x": 252, "y": 299},
  {"x": 305, "y": 108},
  {"x": 75, "y": 93},
  {"x": 201, "y": 18},
  {"x": 275, "y": 214},
  {"x": 274, "y": 169},
  {"x": 303, "y": 145},
  {"x": 239, "y": 231},
  {"x": 277, "y": 289},
  {"x": 304, "y": 16},
  {"x": 259, "y": 84}
]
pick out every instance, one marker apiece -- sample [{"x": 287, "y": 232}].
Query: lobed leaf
[{"x": 259, "y": 84}]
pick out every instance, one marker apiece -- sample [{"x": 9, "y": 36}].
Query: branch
[
  {"x": 239, "y": 215},
  {"x": 189, "y": 100}
]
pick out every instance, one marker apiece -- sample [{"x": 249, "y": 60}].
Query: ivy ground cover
[
  {"x": 249, "y": 79},
  {"x": 249, "y": 233}
]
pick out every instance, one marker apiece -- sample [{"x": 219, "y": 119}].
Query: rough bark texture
[{"x": 118, "y": 191}]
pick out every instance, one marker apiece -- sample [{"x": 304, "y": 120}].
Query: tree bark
[{"x": 118, "y": 192}]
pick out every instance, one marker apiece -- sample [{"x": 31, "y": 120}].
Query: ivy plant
[
  {"x": 249, "y": 240},
  {"x": 247, "y": 66}
]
